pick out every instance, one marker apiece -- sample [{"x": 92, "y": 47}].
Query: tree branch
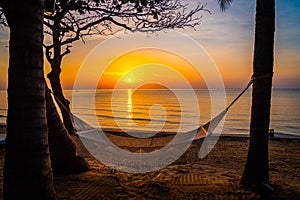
[
  {"x": 67, "y": 51},
  {"x": 76, "y": 20}
]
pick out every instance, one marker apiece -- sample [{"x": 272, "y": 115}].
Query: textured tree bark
[
  {"x": 256, "y": 170},
  {"x": 27, "y": 167},
  {"x": 63, "y": 150}
]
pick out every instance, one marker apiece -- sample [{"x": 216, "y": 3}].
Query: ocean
[{"x": 177, "y": 110}]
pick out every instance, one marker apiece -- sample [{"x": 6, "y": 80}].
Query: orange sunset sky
[{"x": 226, "y": 37}]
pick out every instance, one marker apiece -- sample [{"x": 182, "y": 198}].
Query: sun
[{"x": 129, "y": 80}]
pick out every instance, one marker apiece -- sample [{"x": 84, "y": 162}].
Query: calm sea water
[{"x": 180, "y": 110}]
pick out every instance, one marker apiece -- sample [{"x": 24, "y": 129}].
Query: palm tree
[
  {"x": 256, "y": 171},
  {"x": 27, "y": 167}
]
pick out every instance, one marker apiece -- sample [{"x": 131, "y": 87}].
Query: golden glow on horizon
[
  {"x": 137, "y": 67},
  {"x": 235, "y": 70}
]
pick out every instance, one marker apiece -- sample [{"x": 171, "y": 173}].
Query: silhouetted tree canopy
[{"x": 75, "y": 19}]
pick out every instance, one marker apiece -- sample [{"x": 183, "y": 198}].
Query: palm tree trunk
[
  {"x": 256, "y": 170},
  {"x": 27, "y": 167},
  {"x": 63, "y": 150}
]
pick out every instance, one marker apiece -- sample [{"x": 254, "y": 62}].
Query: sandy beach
[{"x": 214, "y": 177}]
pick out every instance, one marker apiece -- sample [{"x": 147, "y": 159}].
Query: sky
[{"x": 223, "y": 41}]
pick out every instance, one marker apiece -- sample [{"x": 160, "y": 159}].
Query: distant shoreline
[{"x": 161, "y": 134}]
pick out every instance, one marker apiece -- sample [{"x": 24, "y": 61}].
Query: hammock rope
[
  {"x": 246, "y": 88},
  {"x": 85, "y": 130},
  {"x": 91, "y": 135},
  {"x": 253, "y": 78}
]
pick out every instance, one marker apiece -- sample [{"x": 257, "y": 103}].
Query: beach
[{"x": 213, "y": 177}]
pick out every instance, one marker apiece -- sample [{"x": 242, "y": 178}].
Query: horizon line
[{"x": 88, "y": 88}]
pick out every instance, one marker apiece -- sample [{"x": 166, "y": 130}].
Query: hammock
[
  {"x": 138, "y": 155},
  {"x": 91, "y": 134},
  {"x": 125, "y": 141}
]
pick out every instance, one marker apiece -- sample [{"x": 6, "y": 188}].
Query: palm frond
[{"x": 224, "y": 4}]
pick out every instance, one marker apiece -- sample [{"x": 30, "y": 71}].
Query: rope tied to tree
[
  {"x": 253, "y": 78},
  {"x": 246, "y": 88},
  {"x": 261, "y": 76}
]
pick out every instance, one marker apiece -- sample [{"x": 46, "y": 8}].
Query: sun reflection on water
[{"x": 129, "y": 103}]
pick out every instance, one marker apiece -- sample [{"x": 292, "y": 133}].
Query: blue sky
[{"x": 233, "y": 31}]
